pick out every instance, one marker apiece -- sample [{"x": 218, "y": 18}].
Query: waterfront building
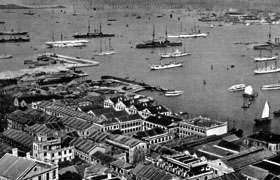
[
  {"x": 268, "y": 140},
  {"x": 51, "y": 148},
  {"x": 134, "y": 149},
  {"x": 202, "y": 126},
  {"x": 167, "y": 123},
  {"x": 186, "y": 166},
  {"x": 13, "y": 167},
  {"x": 154, "y": 136}
]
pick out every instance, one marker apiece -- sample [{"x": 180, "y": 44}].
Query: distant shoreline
[{"x": 15, "y": 6}]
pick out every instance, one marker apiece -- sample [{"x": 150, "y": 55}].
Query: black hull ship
[
  {"x": 157, "y": 44},
  {"x": 15, "y": 40},
  {"x": 95, "y": 34}
]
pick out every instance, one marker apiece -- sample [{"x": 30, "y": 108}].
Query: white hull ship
[
  {"x": 270, "y": 87},
  {"x": 266, "y": 70},
  {"x": 111, "y": 51},
  {"x": 192, "y": 35},
  {"x": 166, "y": 66},
  {"x": 70, "y": 43},
  {"x": 266, "y": 58},
  {"x": 237, "y": 87},
  {"x": 174, "y": 54},
  {"x": 171, "y": 93}
]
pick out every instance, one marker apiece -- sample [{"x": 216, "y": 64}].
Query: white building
[{"x": 201, "y": 127}]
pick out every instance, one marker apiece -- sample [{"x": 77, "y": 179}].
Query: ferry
[
  {"x": 270, "y": 87},
  {"x": 166, "y": 66},
  {"x": 237, "y": 87},
  {"x": 173, "y": 93}
]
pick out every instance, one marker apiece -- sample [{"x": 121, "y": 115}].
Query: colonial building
[
  {"x": 13, "y": 167},
  {"x": 18, "y": 120},
  {"x": 51, "y": 148},
  {"x": 202, "y": 126},
  {"x": 133, "y": 148}
]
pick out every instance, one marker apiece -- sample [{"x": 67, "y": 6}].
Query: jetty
[{"x": 72, "y": 61}]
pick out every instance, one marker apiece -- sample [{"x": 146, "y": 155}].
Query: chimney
[
  {"x": 15, "y": 151},
  {"x": 28, "y": 155}
]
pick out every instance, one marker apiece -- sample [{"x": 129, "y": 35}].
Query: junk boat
[
  {"x": 237, "y": 87},
  {"x": 173, "y": 93},
  {"x": 157, "y": 44},
  {"x": 265, "y": 115},
  {"x": 95, "y": 34}
]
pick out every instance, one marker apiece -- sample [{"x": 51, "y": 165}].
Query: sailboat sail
[{"x": 265, "y": 113}]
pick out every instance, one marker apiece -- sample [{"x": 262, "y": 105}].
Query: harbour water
[{"x": 218, "y": 49}]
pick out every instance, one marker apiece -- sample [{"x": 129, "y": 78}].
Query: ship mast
[
  {"x": 166, "y": 33},
  {"x": 153, "y": 33},
  {"x": 100, "y": 27},
  {"x": 88, "y": 26},
  {"x": 269, "y": 35}
]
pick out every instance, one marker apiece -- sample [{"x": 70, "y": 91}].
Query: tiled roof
[
  {"x": 41, "y": 129},
  {"x": 254, "y": 172},
  {"x": 131, "y": 117},
  {"x": 231, "y": 176},
  {"x": 157, "y": 109},
  {"x": 124, "y": 140},
  {"x": 229, "y": 145},
  {"x": 162, "y": 120},
  {"x": 12, "y": 167},
  {"x": 83, "y": 145},
  {"x": 247, "y": 157},
  {"x": 75, "y": 123},
  {"x": 121, "y": 164},
  {"x": 269, "y": 166},
  {"x": 20, "y": 137},
  {"x": 203, "y": 122},
  {"x": 98, "y": 136},
  {"x": 149, "y": 172},
  {"x": 18, "y": 116},
  {"x": 149, "y": 133},
  {"x": 103, "y": 158},
  {"x": 163, "y": 150}
]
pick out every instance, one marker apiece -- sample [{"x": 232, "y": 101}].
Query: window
[
  {"x": 45, "y": 154},
  {"x": 54, "y": 174},
  {"x": 52, "y": 154},
  {"x": 47, "y": 176},
  {"x": 39, "y": 178}
]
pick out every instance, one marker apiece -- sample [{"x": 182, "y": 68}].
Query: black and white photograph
[{"x": 139, "y": 89}]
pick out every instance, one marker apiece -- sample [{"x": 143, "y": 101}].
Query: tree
[
  {"x": 70, "y": 176},
  {"x": 6, "y": 106}
]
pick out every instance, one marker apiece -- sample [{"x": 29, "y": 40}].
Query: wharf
[
  {"x": 144, "y": 86},
  {"x": 71, "y": 60}
]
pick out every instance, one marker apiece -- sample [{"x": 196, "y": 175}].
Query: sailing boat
[
  {"x": 173, "y": 64},
  {"x": 265, "y": 58},
  {"x": 68, "y": 43},
  {"x": 74, "y": 10},
  {"x": 106, "y": 52},
  {"x": 176, "y": 53},
  {"x": 5, "y": 56},
  {"x": 265, "y": 115}
]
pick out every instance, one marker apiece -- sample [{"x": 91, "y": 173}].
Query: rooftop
[
  {"x": 149, "y": 133},
  {"x": 254, "y": 172},
  {"x": 266, "y": 136},
  {"x": 163, "y": 120},
  {"x": 204, "y": 122},
  {"x": 20, "y": 137},
  {"x": 83, "y": 145},
  {"x": 124, "y": 140},
  {"x": 231, "y": 176},
  {"x": 98, "y": 136},
  {"x": 269, "y": 166},
  {"x": 12, "y": 167},
  {"x": 102, "y": 158},
  {"x": 149, "y": 172}
]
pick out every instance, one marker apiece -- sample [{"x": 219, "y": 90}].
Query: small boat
[
  {"x": 265, "y": 115},
  {"x": 268, "y": 69},
  {"x": 173, "y": 93},
  {"x": 194, "y": 34},
  {"x": 270, "y": 87},
  {"x": 211, "y": 26},
  {"x": 174, "y": 54},
  {"x": 237, "y": 87},
  {"x": 5, "y": 56},
  {"x": 106, "y": 52},
  {"x": 265, "y": 58},
  {"x": 276, "y": 113},
  {"x": 166, "y": 66}
]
